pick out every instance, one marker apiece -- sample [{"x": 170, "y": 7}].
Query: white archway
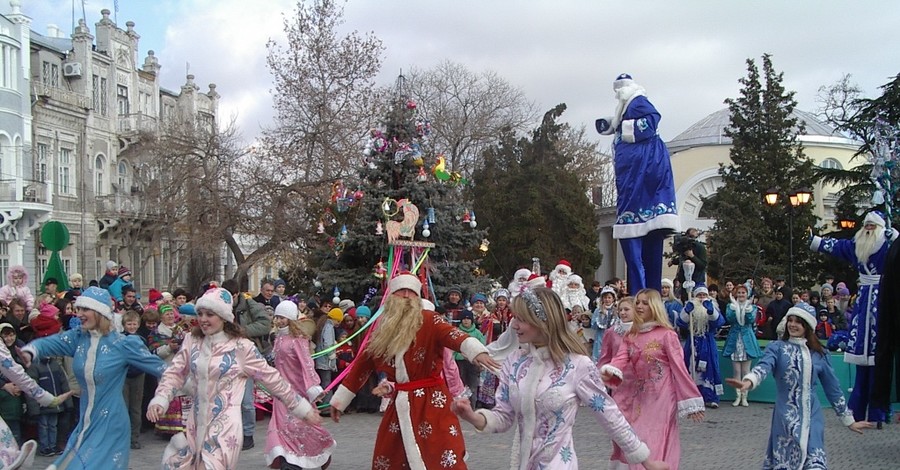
[{"x": 690, "y": 198}]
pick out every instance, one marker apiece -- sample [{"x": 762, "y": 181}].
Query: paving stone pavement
[{"x": 729, "y": 438}]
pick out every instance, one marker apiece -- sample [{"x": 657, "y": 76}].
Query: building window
[
  {"x": 122, "y": 99},
  {"x": 9, "y": 77},
  {"x": 40, "y": 163},
  {"x": 43, "y": 259},
  {"x": 99, "y": 164},
  {"x": 50, "y": 74},
  {"x": 65, "y": 172},
  {"x": 832, "y": 164},
  {"x": 4, "y": 259},
  {"x": 123, "y": 177},
  {"x": 100, "y": 93}
]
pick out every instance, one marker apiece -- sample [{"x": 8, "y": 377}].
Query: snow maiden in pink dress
[
  {"x": 541, "y": 386},
  {"x": 218, "y": 360},
  {"x": 292, "y": 442},
  {"x": 658, "y": 388}
]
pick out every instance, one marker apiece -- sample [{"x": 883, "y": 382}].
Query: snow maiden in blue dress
[
  {"x": 645, "y": 201},
  {"x": 797, "y": 361}
]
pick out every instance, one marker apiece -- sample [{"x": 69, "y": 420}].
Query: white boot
[
  {"x": 737, "y": 401},
  {"x": 744, "y": 399}
]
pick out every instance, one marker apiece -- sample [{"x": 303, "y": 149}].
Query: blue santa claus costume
[
  {"x": 645, "y": 205},
  {"x": 868, "y": 252}
]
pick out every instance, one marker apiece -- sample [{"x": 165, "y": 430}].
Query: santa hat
[
  {"x": 287, "y": 309},
  {"x": 575, "y": 279},
  {"x": 565, "y": 263},
  {"x": 874, "y": 217},
  {"x": 218, "y": 301},
  {"x": 154, "y": 296},
  {"x": 96, "y": 299},
  {"x": 622, "y": 80},
  {"x": 535, "y": 281},
  {"x": 521, "y": 274},
  {"x": 405, "y": 280}
]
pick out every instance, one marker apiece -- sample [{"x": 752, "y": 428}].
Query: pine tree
[
  {"x": 390, "y": 174},
  {"x": 750, "y": 237},
  {"x": 533, "y": 205}
]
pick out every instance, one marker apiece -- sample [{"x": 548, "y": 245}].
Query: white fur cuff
[
  {"x": 690, "y": 406},
  {"x": 847, "y": 419},
  {"x": 640, "y": 454},
  {"x": 491, "y": 423},
  {"x": 342, "y": 397},
  {"x": 159, "y": 400},
  {"x": 609, "y": 369},
  {"x": 314, "y": 393},
  {"x": 471, "y": 347},
  {"x": 753, "y": 378},
  {"x": 628, "y": 131},
  {"x": 815, "y": 243},
  {"x": 30, "y": 349},
  {"x": 303, "y": 407}
]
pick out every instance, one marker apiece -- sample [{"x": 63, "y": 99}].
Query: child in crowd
[
  {"x": 660, "y": 390},
  {"x": 797, "y": 362},
  {"x": 823, "y": 329},
  {"x": 344, "y": 352},
  {"x": 625, "y": 312},
  {"x": 134, "y": 380},
  {"x": 219, "y": 360},
  {"x": 551, "y": 362},
  {"x": 293, "y": 444},
  {"x": 468, "y": 372},
  {"x": 48, "y": 373},
  {"x": 17, "y": 287},
  {"x": 604, "y": 318},
  {"x": 11, "y": 399},
  {"x": 165, "y": 342}
]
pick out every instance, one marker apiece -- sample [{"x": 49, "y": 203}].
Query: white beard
[
  {"x": 572, "y": 297},
  {"x": 699, "y": 319},
  {"x": 867, "y": 243}
]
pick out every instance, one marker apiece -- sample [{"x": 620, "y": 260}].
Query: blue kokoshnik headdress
[{"x": 534, "y": 303}]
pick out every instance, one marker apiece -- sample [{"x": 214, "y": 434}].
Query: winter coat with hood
[{"x": 23, "y": 292}]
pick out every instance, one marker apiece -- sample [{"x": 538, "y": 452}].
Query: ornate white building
[
  {"x": 696, "y": 154},
  {"x": 71, "y": 109}
]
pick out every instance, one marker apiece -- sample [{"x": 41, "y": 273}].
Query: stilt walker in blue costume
[
  {"x": 867, "y": 251},
  {"x": 645, "y": 205}
]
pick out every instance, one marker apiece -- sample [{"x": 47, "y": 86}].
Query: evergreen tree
[
  {"x": 533, "y": 205},
  {"x": 749, "y": 236},
  {"x": 393, "y": 171}
]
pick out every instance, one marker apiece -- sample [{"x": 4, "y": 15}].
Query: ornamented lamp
[
  {"x": 771, "y": 196},
  {"x": 847, "y": 224}
]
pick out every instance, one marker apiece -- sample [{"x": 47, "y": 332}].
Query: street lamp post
[{"x": 796, "y": 199}]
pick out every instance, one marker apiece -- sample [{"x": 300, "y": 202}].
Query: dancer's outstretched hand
[
  {"x": 61, "y": 398},
  {"x": 741, "y": 385},
  {"x": 485, "y": 360},
  {"x": 860, "y": 425},
  {"x": 335, "y": 415},
  {"x": 697, "y": 417},
  {"x": 154, "y": 412},
  {"x": 312, "y": 417},
  {"x": 655, "y": 465}
]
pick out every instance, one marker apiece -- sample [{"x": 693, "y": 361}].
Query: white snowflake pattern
[
  {"x": 381, "y": 463},
  {"x": 419, "y": 355},
  {"x": 425, "y": 430},
  {"x": 453, "y": 430},
  {"x": 448, "y": 458},
  {"x": 420, "y": 392},
  {"x": 438, "y": 399},
  {"x": 456, "y": 334},
  {"x": 394, "y": 427}
]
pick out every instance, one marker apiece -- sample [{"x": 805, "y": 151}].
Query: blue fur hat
[{"x": 96, "y": 299}]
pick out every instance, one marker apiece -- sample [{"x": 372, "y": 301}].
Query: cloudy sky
[{"x": 689, "y": 54}]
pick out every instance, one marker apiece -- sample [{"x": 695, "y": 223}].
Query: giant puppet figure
[
  {"x": 645, "y": 205},
  {"x": 868, "y": 252}
]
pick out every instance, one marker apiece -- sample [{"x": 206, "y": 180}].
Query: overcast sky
[{"x": 689, "y": 55}]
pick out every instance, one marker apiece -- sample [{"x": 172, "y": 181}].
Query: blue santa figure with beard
[
  {"x": 645, "y": 207},
  {"x": 868, "y": 252}
]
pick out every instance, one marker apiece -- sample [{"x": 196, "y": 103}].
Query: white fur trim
[
  {"x": 413, "y": 454},
  {"x": 690, "y": 406},
  {"x": 640, "y": 454},
  {"x": 313, "y": 462},
  {"x": 342, "y": 398},
  {"x": 610, "y": 369},
  {"x": 405, "y": 281},
  {"x": 25, "y": 458},
  {"x": 95, "y": 305},
  {"x": 159, "y": 400},
  {"x": 176, "y": 443},
  {"x": 660, "y": 222},
  {"x": 815, "y": 243},
  {"x": 611, "y": 129},
  {"x": 753, "y": 378},
  {"x": 628, "y": 131},
  {"x": 303, "y": 407},
  {"x": 221, "y": 309},
  {"x": 491, "y": 422},
  {"x": 805, "y": 402},
  {"x": 527, "y": 389},
  {"x": 506, "y": 344},
  {"x": 471, "y": 347},
  {"x": 314, "y": 393}
]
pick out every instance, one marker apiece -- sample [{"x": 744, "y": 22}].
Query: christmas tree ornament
[
  {"x": 440, "y": 169},
  {"x": 380, "y": 272},
  {"x": 337, "y": 296},
  {"x": 472, "y": 222},
  {"x": 359, "y": 194},
  {"x": 321, "y": 228},
  {"x": 407, "y": 227},
  {"x": 426, "y": 232},
  {"x": 379, "y": 228},
  {"x": 422, "y": 176},
  {"x": 317, "y": 283},
  {"x": 343, "y": 235},
  {"x": 466, "y": 218},
  {"x": 430, "y": 216},
  {"x": 410, "y": 104},
  {"x": 390, "y": 207},
  {"x": 485, "y": 244}
]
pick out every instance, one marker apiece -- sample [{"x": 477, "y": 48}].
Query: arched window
[
  {"x": 99, "y": 166},
  {"x": 831, "y": 163},
  {"x": 123, "y": 177}
]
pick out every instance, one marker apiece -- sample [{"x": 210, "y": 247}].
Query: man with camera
[{"x": 687, "y": 247}]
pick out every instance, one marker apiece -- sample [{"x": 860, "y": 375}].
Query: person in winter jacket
[
  {"x": 110, "y": 276},
  {"x": 11, "y": 398},
  {"x": 17, "y": 287},
  {"x": 124, "y": 279}
]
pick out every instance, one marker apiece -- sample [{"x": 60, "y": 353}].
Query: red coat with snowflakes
[{"x": 418, "y": 431}]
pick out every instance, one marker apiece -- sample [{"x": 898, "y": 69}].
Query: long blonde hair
[
  {"x": 657, "y": 308},
  {"x": 560, "y": 340},
  {"x": 397, "y": 327}
]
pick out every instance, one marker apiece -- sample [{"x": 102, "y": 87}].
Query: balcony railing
[
  {"x": 127, "y": 205},
  {"x": 62, "y": 96},
  {"x": 138, "y": 122},
  {"x": 22, "y": 190}
]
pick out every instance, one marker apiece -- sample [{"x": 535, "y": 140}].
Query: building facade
[
  {"x": 72, "y": 111},
  {"x": 696, "y": 154}
]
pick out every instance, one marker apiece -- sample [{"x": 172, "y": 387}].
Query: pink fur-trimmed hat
[{"x": 219, "y": 301}]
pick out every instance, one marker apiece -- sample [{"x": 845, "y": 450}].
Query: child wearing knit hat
[{"x": 218, "y": 360}]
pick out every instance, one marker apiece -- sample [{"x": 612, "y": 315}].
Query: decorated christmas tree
[{"x": 405, "y": 205}]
